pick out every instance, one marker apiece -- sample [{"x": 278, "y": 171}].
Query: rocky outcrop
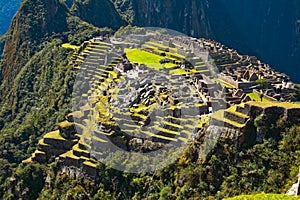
[{"x": 295, "y": 189}]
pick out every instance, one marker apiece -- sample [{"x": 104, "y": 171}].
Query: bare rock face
[{"x": 184, "y": 16}]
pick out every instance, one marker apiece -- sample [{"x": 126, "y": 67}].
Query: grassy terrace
[
  {"x": 88, "y": 163},
  {"x": 70, "y": 155},
  {"x": 255, "y": 97},
  {"x": 159, "y": 136},
  {"x": 155, "y": 46},
  {"x": 153, "y": 61},
  {"x": 54, "y": 135},
  {"x": 144, "y": 57},
  {"x": 219, "y": 115},
  {"x": 76, "y": 148},
  {"x": 279, "y": 104},
  {"x": 161, "y": 46},
  {"x": 232, "y": 109}
]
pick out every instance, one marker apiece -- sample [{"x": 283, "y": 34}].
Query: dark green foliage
[
  {"x": 81, "y": 31},
  {"x": 228, "y": 171},
  {"x": 99, "y": 13},
  {"x": 26, "y": 183},
  {"x": 262, "y": 83},
  {"x": 41, "y": 89},
  {"x": 39, "y": 96}
]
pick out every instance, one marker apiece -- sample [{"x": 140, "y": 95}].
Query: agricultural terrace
[{"x": 153, "y": 61}]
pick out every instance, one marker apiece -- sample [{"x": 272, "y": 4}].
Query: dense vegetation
[{"x": 269, "y": 167}]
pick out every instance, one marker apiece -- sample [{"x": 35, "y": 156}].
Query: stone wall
[
  {"x": 234, "y": 117},
  {"x": 269, "y": 98},
  {"x": 293, "y": 114},
  {"x": 228, "y": 79},
  {"x": 244, "y": 85}
]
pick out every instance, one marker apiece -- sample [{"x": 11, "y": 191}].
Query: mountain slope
[
  {"x": 252, "y": 28},
  {"x": 98, "y": 13},
  {"x": 269, "y": 30},
  {"x": 184, "y": 16},
  {"x": 30, "y": 25},
  {"x": 36, "y": 77}
]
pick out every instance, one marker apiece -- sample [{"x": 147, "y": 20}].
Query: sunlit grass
[
  {"x": 263, "y": 197},
  {"x": 255, "y": 97},
  {"x": 144, "y": 57},
  {"x": 279, "y": 104},
  {"x": 69, "y": 46}
]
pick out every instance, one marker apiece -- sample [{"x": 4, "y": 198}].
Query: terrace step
[
  {"x": 218, "y": 119},
  {"x": 243, "y": 108},
  {"x": 77, "y": 151},
  {"x": 159, "y": 138},
  {"x": 39, "y": 156},
  {"x": 42, "y": 146},
  {"x": 236, "y": 116}
]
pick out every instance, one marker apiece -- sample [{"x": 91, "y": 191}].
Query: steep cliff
[
  {"x": 188, "y": 17},
  {"x": 266, "y": 29}
]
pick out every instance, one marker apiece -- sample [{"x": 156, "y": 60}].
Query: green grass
[
  {"x": 279, "y": 104},
  {"x": 144, "y": 57},
  {"x": 152, "y": 60},
  {"x": 54, "y": 135},
  {"x": 162, "y": 46},
  {"x": 69, "y": 46},
  {"x": 263, "y": 197},
  {"x": 255, "y": 97}
]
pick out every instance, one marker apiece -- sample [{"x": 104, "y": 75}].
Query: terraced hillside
[
  {"x": 119, "y": 107},
  {"x": 139, "y": 94}
]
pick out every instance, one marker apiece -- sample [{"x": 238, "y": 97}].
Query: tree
[{"x": 262, "y": 83}]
